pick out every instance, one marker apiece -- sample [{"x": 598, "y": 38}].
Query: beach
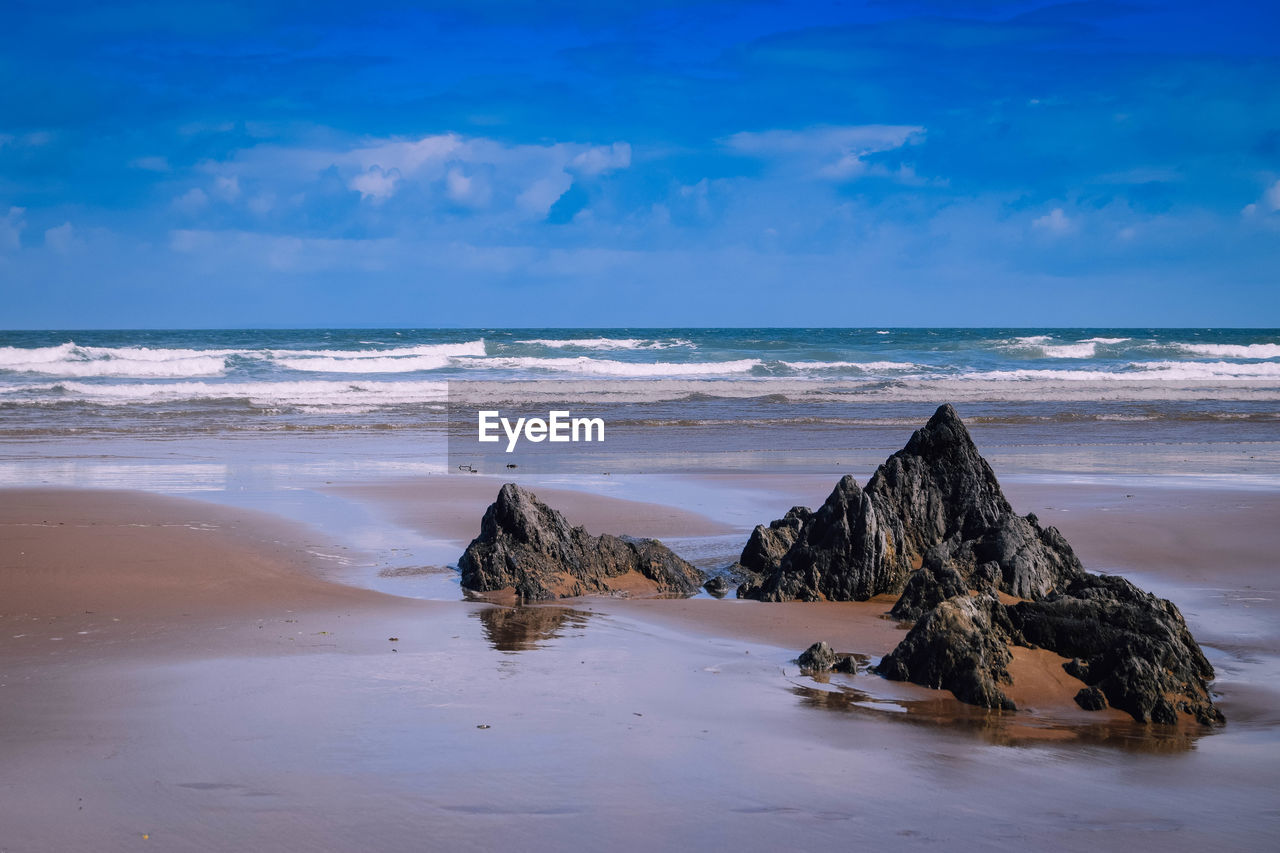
[{"x": 215, "y": 639}]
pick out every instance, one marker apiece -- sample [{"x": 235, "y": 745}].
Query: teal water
[{"x": 327, "y": 379}]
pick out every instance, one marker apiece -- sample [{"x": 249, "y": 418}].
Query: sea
[
  {"x": 76, "y": 406},
  {"x": 332, "y": 379}
]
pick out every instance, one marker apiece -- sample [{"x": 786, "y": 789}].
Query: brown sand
[{"x": 247, "y": 704}]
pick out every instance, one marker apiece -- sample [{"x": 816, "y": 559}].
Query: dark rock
[
  {"x": 1131, "y": 649},
  {"x": 817, "y": 658},
  {"x": 845, "y": 663},
  {"x": 529, "y": 547},
  {"x": 936, "y": 495},
  {"x": 1091, "y": 699},
  {"x": 1134, "y": 647},
  {"x": 838, "y": 555},
  {"x": 958, "y": 646},
  {"x": 717, "y": 586},
  {"x": 769, "y": 544},
  {"x": 926, "y": 589}
]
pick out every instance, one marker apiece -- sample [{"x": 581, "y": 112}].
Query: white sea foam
[
  {"x": 607, "y": 367},
  {"x": 607, "y": 343},
  {"x": 1177, "y": 370},
  {"x": 1231, "y": 350},
  {"x": 407, "y": 364},
  {"x": 70, "y": 359},
  {"x": 1140, "y": 371},
  {"x": 313, "y": 393},
  {"x": 467, "y": 348},
  {"x": 1041, "y": 346},
  {"x": 864, "y": 366}
]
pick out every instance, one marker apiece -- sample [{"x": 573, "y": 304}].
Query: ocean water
[{"x": 216, "y": 381}]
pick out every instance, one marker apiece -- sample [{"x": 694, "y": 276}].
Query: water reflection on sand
[{"x": 519, "y": 629}]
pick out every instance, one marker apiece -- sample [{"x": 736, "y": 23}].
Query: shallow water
[{"x": 543, "y": 729}]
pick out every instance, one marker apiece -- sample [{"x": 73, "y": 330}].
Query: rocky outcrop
[
  {"x": 769, "y": 544},
  {"x": 1131, "y": 649},
  {"x": 962, "y": 646},
  {"x": 936, "y": 495},
  {"x": 820, "y": 658},
  {"x": 1130, "y": 646},
  {"x": 526, "y": 546},
  {"x": 926, "y": 589},
  {"x": 717, "y": 586}
]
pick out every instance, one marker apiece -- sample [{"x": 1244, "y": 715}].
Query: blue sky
[{"x": 631, "y": 164}]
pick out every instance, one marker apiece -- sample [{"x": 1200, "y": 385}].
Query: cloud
[
  {"x": 192, "y": 201},
  {"x": 61, "y": 238},
  {"x": 375, "y": 184},
  {"x": 11, "y": 226},
  {"x": 226, "y": 187},
  {"x": 1053, "y": 222},
  {"x": 1268, "y": 203},
  {"x": 831, "y": 153},
  {"x": 601, "y": 159},
  {"x": 437, "y": 173},
  {"x": 467, "y": 190}
]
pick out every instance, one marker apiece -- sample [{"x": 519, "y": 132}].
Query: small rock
[
  {"x": 817, "y": 658},
  {"x": 717, "y": 586},
  {"x": 1091, "y": 699}
]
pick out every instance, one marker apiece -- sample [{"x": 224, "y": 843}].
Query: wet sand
[
  {"x": 224, "y": 696},
  {"x": 451, "y": 506}
]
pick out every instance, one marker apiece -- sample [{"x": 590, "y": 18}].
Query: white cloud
[
  {"x": 11, "y": 226},
  {"x": 538, "y": 197},
  {"x": 150, "y": 164},
  {"x": 524, "y": 180},
  {"x": 192, "y": 201},
  {"x": 226, "y": 187},
  {"x": 1053, "y": 222},
  {"x": 1268, "y": 203},
  {"x": 61, "y": 238},
  {"x": 375, "y": 184},
  {"x": 832, "y": 153},
  {"x": 601, "y": 159},
  {"x": 468, "y": 190}
]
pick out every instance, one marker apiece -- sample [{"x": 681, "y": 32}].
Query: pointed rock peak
[
  {"x": 943, "y": 432},
  {"x": 844, "y": 489},
  {"x": 510, "y": 493}
]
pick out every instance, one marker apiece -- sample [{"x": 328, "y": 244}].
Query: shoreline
[{"x": 289, "y": 654}]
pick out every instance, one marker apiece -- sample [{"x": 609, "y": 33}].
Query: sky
[{"x": 495, "y": 163}]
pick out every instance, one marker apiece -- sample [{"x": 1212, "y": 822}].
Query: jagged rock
[
  {"x": 717, "y": 586},
  {"x": 529, "y": 547},
  {"x": 769, "y": 544},
  {"x": 845, "y": 663},
  {"x": 1134, "y": 647},
  {"x": 938, "y": 495},
  {"x": 817, "y": 658},
  {"x": 959, "y": 646},
  {"x": 839, "y": 555},
  {"x": 926, "y": 589},
  {"x": 1131, "y": 649},
  {"x": 1091, "y": 699}
]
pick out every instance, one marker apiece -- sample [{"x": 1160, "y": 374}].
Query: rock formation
[
  {"x": 820, "y": 658},
  {"x": 962, "y": 646},
  {"x": 933, "y": 524},
  {"x": 937, "y": 495},
  {"x": 926, "y": 589},
  {"x": 1129, "y": 646},
  {"x": 526, "y": 546},
  {"x": 1131, "y": 649}
]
